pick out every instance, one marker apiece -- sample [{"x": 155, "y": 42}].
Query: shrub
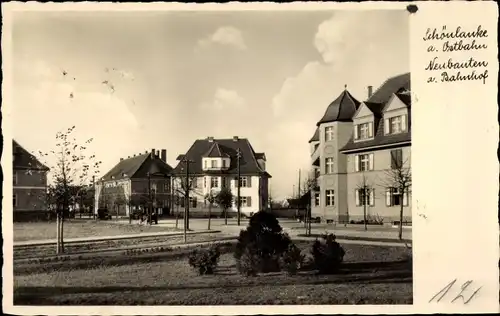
[
  {"x": 264, "y": 242},
  {"x": 248, "y": 262},
  {"x": 292, "y": 260},
  {"x": 204, "y": 260},
  {"x": 328, "y": 254}
]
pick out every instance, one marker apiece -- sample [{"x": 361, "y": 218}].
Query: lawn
[
  {"x": 370, "y": 275},
  {"x": 80, "y": 228}
]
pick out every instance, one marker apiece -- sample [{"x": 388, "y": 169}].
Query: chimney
[
  {"x": 235, "y": 138},
  {"x": 370, "y": 91},
  {"x": 210, "y": 139},
  {"x": 163, "y": 155},
  {"x": 134, "y": 155},
  {"x": 153, "y": 153},
  {"x": 121, "y": 159}
]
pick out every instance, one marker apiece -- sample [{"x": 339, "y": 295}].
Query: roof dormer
[
  {"x": 215, "y": 158},
  {"x": 396, "y": 113},
  {"x": 365, "y": 121}
]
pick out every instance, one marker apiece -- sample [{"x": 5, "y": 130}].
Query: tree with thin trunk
[
  {"x": 71, "y": 173},
  {"x": 185, "y": 186},
  {"x": 364, "y": 189},
  {"x": 224, "y": 199},
  {"x": 398, "y": 179},
  {"x": 210, "y": 198}
]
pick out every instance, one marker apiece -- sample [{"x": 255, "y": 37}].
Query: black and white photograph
[{"x": 211, "y": 157}]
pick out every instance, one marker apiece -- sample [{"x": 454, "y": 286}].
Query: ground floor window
[
  {"x": 395, "y": 197},
  {"x": 245, "y": 201},
  {"x": 330, "y": 198},
  {"x": 193, "y": 202},
  {"x": 317, "y": 198},
  {"x": 365, "y": 197}
]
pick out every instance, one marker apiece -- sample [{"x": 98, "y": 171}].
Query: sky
[{"x": 134, "y": 81}]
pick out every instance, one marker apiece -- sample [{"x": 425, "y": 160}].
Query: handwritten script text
[{"x": 456, "y": 68}]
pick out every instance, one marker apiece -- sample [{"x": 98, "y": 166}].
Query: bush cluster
[
  {"x": 205, "y": 260},
  {"x": 327, "y": 254}
]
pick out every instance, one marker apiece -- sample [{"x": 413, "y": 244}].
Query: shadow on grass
[{"x": 366, "y": 273}]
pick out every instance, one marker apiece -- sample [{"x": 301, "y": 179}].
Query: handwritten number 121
[{"x": 441, "y": 294}]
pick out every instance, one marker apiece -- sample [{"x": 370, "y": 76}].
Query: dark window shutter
[
  {"x": 249, "y": 182},
  {"x": 393, "y": 159},
  {"x": 249, "y": 201}
]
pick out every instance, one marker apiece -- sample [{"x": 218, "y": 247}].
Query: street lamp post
[{"x": 238, "y": 201}]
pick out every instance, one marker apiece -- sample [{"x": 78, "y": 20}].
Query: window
[
  {"x": 214, "y": 163},
  {"x": 363, "y": 131},
  {"x": 395, "y": 198},
  {"x": 330, "y": 198},
  {"x": 166, "y": 186},
  {"x": 193, "y": 183},
  {"x": 363, "y": 162},
  {"x": 328, "y": 133},
  {"x": 205, "y": 164},
  {"x": 396, "y": 158},
  {"x": 193, "y": 202},
  {"x": 243, "y": 182},
  {"x": 214, "y": 182},
  {"x": 15, "y": 177},
  {"x": 317, "y": 198},
  {"x": 14, "y": 199},
  {"x": 395, "y": 125},
  {"x": 329, "y": 165},
  {"x": 365, "y": 197},
  {"x": 243, "y": 201}
]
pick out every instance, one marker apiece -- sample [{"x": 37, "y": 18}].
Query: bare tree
[
  {"x": 71, "y": 173},
  {"x": 210, "y": 198},
  {"x": 364, "y": 194},
  {"x": 185, "y": 187},
  {"x": 397, "y": 181}
]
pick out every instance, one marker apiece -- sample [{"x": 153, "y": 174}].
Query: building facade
[
  {"x": 136, "y": 183},
  {"x": 29, "y": 185},
  {"x": 360, "y": 156},
  {"x": 213, "y": 164}
]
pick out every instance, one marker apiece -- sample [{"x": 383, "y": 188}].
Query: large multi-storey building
[
  {"x": 136, "y": 183},
  {"x": 213, "y": 164},
  {"x": 355, "y": 151},
  {"x": 29, "y": 185}
]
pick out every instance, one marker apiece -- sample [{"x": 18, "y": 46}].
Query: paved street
[{"x": 293, "y": 228}]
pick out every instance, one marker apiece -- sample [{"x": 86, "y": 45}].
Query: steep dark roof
[
  {"x": 376, "y": 108},
  {"x": 260, "y": 156},
  {"x": 215, "y": 151},
  {"x": 405, "y": 98},
  {"x": 376, "y": 103},
  {"x": 379, "y": 140},
  {"x": 137, "y": 167},
  {"x": 315, "y": 137},
  {"x": 341, "y": 109},
  {"x": 22, "y": 159},
  {"x": 248, "y": 161},
  {"x": 390, "y": 86}
]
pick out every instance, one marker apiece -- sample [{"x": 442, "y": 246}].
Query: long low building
[{"x": 361, "y": 156}]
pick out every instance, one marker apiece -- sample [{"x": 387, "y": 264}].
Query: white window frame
[
  {"x": 364, "y": 131},
  {"x": 214, "y": 164},
  {"x": 390, "y": 197},
  {"x": 368, "y": 200},
  {"x": 243, "y": 182},
  {"x": 216, "y": 180},
  {"x": 205, "y": 164},
  {"x": 328, "y": 133},
  {"x": 329, "y": 197},
  {"x": 361, "y": 159},
  {"x": 329, "y": 165},
  {"x": 396, "y": 124}
]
